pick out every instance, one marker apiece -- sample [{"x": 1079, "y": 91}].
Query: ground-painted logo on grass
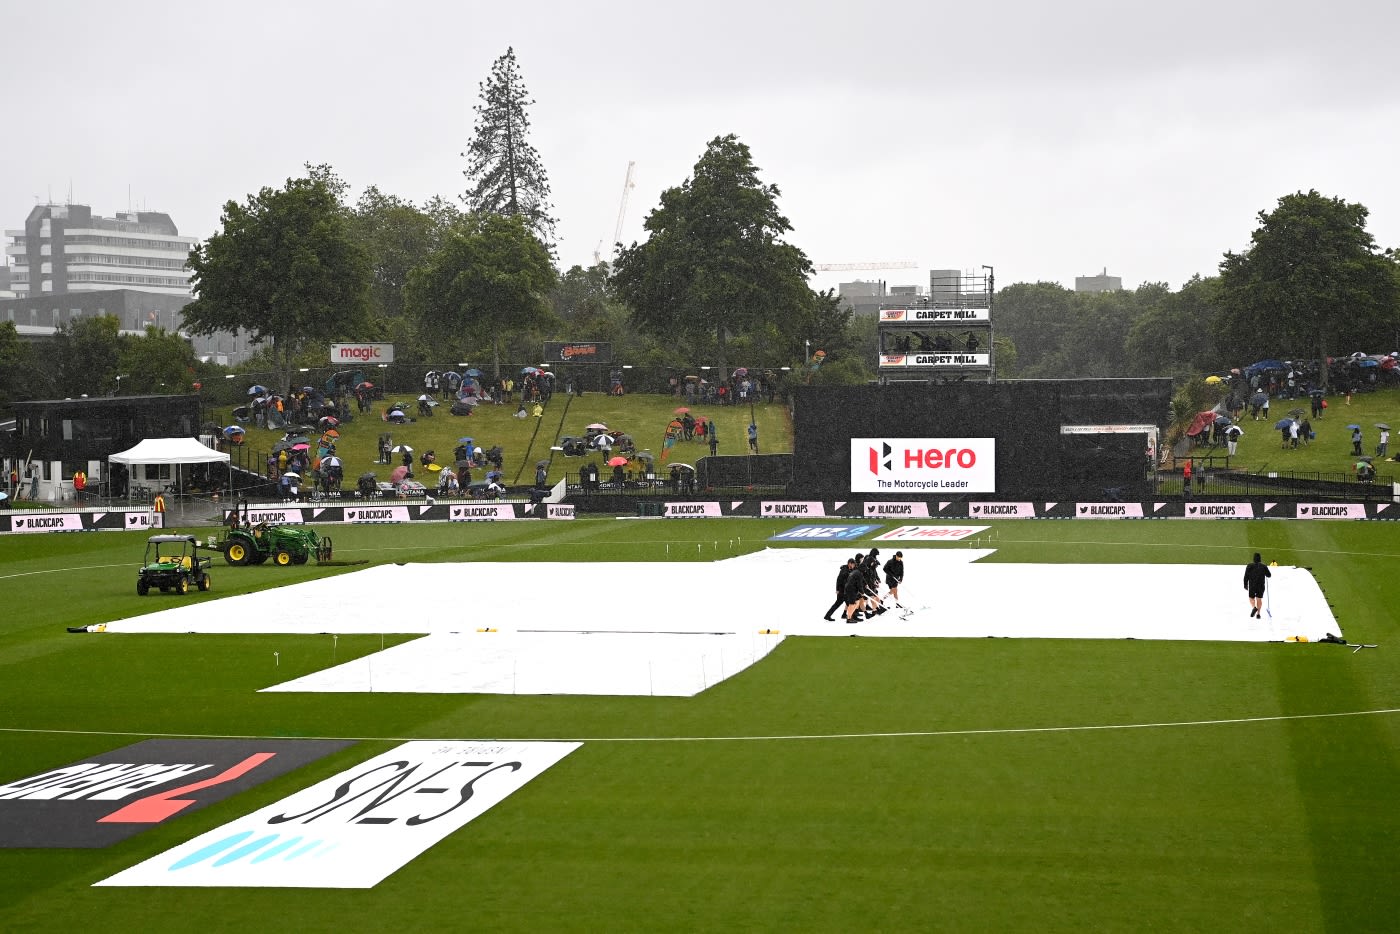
[
  {"x": 930, "y": 533},
  {"x": 356, "y": 828},
  {"x": 98, "y": 801},
  {"x": 829, "y": 533}
]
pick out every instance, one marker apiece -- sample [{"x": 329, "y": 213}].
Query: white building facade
[{"x": 67, "y": 248}]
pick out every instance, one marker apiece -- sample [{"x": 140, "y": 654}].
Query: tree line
[{"x": 716, "y": 280}]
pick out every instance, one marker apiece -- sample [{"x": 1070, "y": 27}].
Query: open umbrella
[
  {"x": 741, "y": 372},
  {"x": 1283, "y": 423},
  {"x": 330, "y": 421},
  {"x": 1354, "y": 427},
  {"x": 302, "y": 446},
  {"x": 232, "y": 430},
  {"x": 257, "y": 390},
  {"x": 465, "y": 440},
  {"x": 1366, "y": 457},
  {"x": 308, "y": 389},
  {"x": 541, "y": 463},
  {"x": 297, "y": 439},
  {"x": 530, "y": 370},
  {"x": 397, "y": 474},
  {"x": 365, "y": 385},
  {"x": 281, "y": 446},
  {"x": 331, "y": 461},
  {"x": 681, "y": 411},
  {"x": 242, "y": 413},
  {"x": 1383, "y": 426},
  {"x": 684, "y": 467},
  {"x": 1224, "y": 421},
  {"x": 617, "y": 462},
  {"x": 473, "y": 373},
  {"x": 401, "y": 449},
  {"x": 434, "y": 466},
  {"x": 598, "y": 426}
]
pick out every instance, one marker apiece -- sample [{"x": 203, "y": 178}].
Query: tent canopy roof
[{"x": 169, "y": 451}]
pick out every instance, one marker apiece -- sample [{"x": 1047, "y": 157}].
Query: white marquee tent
[{"x": 175, "y": 451}]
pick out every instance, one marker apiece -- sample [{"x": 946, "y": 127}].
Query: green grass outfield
[{"x": 851, "y": 784}]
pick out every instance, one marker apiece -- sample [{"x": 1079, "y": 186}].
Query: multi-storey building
[
  {"x": 67, "y": 248},
  {"x": 132, "y": 266}
]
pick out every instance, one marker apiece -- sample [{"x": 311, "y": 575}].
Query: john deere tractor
[{"x": 283, "y": 544}]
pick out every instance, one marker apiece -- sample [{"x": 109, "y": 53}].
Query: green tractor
[
  {"x": 283, "y": 544},
  {"x": 280, "y": 544},
  {"x": 172, "y": 564}
]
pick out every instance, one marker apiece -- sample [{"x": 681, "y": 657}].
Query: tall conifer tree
[{"x": 504, "y": 172}]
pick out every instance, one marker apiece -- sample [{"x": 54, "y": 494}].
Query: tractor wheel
[
  {"x": 300, "y": 558},
  {"x": 204, "y": 583},
  {"x": 236, "y": 553},
  {"x": 283, "y": 557},
  {"x": 183, "y": 587},
  {"x": 143, "y": 587}
]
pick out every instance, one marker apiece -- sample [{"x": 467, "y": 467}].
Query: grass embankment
[{"x": 527, "y": 441}]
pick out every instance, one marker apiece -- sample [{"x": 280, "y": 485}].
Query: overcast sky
[{"x": 1048, "y": 140}]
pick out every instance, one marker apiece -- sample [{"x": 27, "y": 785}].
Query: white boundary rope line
[{"x": 908, "y": 734}]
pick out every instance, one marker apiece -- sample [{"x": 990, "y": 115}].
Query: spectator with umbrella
[
  {"x": 1355, "y": 440},
  {"x": 290, "y": 484},
  {"x": 1233, "y": 434},
  {"x": 1384, "y": 442},
  {"x": 619, "y": 475}
]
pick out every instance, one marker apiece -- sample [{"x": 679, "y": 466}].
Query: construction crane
[
  {"x": 627, "y": 186},
  {"x": 842, "y": 267}
]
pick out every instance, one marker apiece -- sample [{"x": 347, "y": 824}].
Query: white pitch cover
[{"x": 354, "y": 829}]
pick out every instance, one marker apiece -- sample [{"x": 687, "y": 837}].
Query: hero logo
[{"x": 932, "y": 459}]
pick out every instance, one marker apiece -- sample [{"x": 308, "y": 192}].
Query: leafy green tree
[
  {"x": 715, "y": 263},
  {"x": 86, "y": 356},
  {"x": 1035, "y": 317},
  {"x": 286, "y": 267},
  {"x": 1311, "y": 281},
  {"x": 21, "y": 376},
  {"x": 1176, "y": 336},
  {"x": 490, "y": 278},
  {"x": 156, "y": 362},
  {"x": 397, "y": 237},
  {"x": 504, "y": 171}
]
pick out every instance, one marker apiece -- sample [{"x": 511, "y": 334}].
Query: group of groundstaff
[{"x": 858, "y": 587}]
